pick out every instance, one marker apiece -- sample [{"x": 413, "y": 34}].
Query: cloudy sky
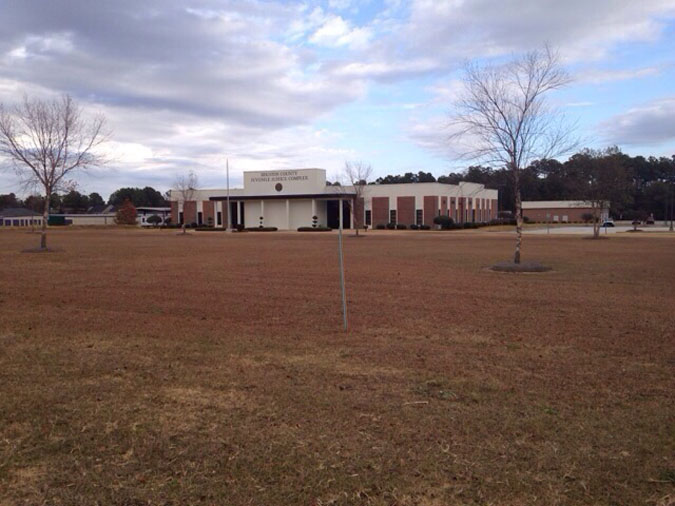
[{"x": 285, "y": 84}]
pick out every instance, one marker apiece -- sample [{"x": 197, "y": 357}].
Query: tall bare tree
[
  {"x": 604, "y": 181},
  {"x": 47, "y": 141},
  {"x": 502, "y": 116},
  {"x": 186, "y": 186},
  {"x": 357, "y": 175}
]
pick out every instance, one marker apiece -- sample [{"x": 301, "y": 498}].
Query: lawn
[{"x": 143, "y": 367}]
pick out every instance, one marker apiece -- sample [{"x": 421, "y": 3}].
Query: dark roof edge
[{"x": 328, "y": 196}]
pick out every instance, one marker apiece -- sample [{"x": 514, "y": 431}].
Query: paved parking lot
[{"x": 587, "y": 229}]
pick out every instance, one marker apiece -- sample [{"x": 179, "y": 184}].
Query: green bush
[
  {"x": 314, "y": 229},
  {"x": 391, "y": 226},
  {"x": 401, "y": 226},
  {"x": 425, "y": 227},
  {"x": 261, "y": 229},
  {"x": 380, "y": 227},
  {"x": 444, "y": 221},
  {"x": 154, "y": 220},
  {"x": 414, "y": 227}
]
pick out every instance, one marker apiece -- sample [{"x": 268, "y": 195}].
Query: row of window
[
  {"x": 419, "y": 215},
  {"x": 200, "y": 218},
  {"x": 6, "y": 222}
]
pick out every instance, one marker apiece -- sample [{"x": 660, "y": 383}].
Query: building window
[
  {"x": 180, "y": 217},
  {"x": 392, "y": 216},
  {"x": 219, "y": 218},
  {"x": 419, "y": 217},
  {"x": 368, "y": 217},
  {"x": 199, "y": 218}
]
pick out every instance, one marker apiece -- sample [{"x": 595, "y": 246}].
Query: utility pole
[
  {"x": 229, "y": 209},
  {"x": 342, "y": 268}
]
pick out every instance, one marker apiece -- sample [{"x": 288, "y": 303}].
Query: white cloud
[
  {"x": 596, "y": 76},
  {"x": 336, "y": 32},
  {"x": 650, "y": 123}
]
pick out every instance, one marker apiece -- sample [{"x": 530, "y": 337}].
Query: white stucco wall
[{"x": 301, "y": 213}]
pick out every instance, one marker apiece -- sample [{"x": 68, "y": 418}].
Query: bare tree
[
  {"x": 186, "y": 186},
  {"x": 503, "y": 117},
  {"x": 46, "y": 142},
  {"x": 604, "y": 180},
  {"x": 357, "y": 175}
]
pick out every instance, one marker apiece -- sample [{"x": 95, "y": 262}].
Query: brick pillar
[
  {"x": 405, "y": 210},
  {"x": 190, "y": 212},
  {"x": 208, "y": 212},
  {"x": 430, "y": 209},
  {"x": 174, "y": 212},
  {"x": 380, "y": 211}
]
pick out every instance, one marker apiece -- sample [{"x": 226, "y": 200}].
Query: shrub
[
  {"x": 414, "y": 227},
  {"x": 209, "y": 229},
  {"x": 126, "y": 214},
  {"x": 587, "y": 217},
  {"x": 391, "y": 226},
  {"x": 526, "y": 219},
  {"x": 425, "y": 227},
  {"x": 314, "y": 229},
  {"x": 261, "y": 229},
  {"x": 239, "y": 227},
  {"x": 401, "y": 226},
  {"x": 154, "y": 220},
  {"x": 444, "y": 221},
  {"x": 380, "y": 227}
]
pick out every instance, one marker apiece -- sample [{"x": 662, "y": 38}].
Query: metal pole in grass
[
  {"x": 342, "y": 268},
  {"x": 227, "y": 171}
]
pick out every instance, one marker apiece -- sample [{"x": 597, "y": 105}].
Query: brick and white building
[
  {"x": 288, "y": 199},
  {"x": 562, "y": 211}
]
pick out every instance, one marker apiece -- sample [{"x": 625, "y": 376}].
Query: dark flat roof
[
  {"x": 17, "y": 212},
  {"x": 327, "y": 196}
]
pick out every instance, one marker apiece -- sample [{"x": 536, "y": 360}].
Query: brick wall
[
  {"x": 190, "y": 211},
  {"x": 574, "y": 214},
  {"x": 444, "y": 206},
  {"x": 430, "y": 209},
  {"x": 174, "y": 212},
  {"x": 380, "y": 211},
  {"x": 208, "y": 211},
  {"x": 405, "y": 210},
  {"x": 359, "y": 213}
]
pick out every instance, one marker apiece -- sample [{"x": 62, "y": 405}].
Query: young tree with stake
[
  {"x": 357, "y": 175},
  {"x": 186, "y": 186},
  {"x": 46, "y": 142},
  {"x": 503, "y": 117}
]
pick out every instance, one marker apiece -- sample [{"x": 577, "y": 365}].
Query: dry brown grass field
[{"x": 145, "y": 368}]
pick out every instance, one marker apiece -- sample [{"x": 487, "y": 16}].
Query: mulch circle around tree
[{"x": 521, "y": 267}]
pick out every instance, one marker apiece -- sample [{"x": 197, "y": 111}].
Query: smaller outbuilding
[
  {"x": 562, "y": 211},
  {"x": 19, "y": 217}
]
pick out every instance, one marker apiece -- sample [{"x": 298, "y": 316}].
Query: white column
[
  {"x": 240, "y": 204},
  {"x": 262, "y": 211},
  {"x": 288, "y": 214},
  {"x": 314, "y": 207}
]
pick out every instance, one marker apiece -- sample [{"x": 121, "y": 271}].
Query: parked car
[{"x": 607, "y": 223}]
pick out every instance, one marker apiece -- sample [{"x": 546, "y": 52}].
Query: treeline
[
  {"x": 76, "y": 202},
  {"x": 637, "y": 186}
]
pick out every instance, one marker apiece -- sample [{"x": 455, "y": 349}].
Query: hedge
[
  {"x": 314, "y": 229},
  {"x": 261, "y": 229}
]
